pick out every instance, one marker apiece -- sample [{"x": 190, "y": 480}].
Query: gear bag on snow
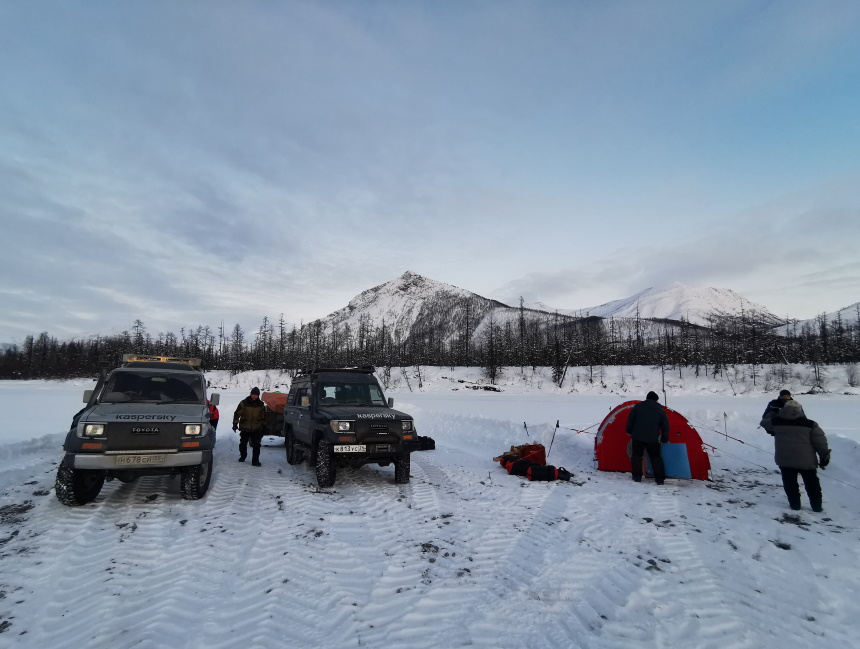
[
  {"x": 548, "y": 472},
  {"x": 519, "y": 467}
]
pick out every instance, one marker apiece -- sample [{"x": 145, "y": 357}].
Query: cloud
[
  {"x": 186, "y": 167},
  {"x": 787, "y": 253}
]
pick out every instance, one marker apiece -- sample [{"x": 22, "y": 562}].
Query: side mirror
[
  {"x": 390, "y": 402},
  {"x": 88, "y": 394},
  {"x": 306, "y": 402},
  {"x": 214, "y": 398}
]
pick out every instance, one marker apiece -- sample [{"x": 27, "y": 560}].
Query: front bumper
[{"x": 109, "y": 461}]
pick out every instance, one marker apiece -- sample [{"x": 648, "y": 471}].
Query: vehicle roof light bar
[{"x": 143, "y": 358}]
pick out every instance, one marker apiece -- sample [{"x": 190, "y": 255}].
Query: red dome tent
[{"x": 611, "y": 444}]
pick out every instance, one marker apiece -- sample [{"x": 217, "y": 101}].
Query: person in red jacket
[{"x": 213, "y": 411}]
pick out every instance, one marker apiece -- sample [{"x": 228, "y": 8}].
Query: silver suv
[{"x": 148, "y": 417}]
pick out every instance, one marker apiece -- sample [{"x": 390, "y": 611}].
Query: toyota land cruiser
[
  {"x": 148, "y": 417},
  {"x": 340, "y": 418}
]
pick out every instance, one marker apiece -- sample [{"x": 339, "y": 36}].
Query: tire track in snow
[
  {"x": 268, "y": 560},
  {"x": 572, "y": 592},
  {"x": 683, "y": 594},
  {"x": 431, "y": 594},
  {"x": 770, "y": 581}
]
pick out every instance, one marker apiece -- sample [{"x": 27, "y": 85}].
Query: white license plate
[
  {"x": 139, "y": 459},
  {"x": 350, "y": 448}
]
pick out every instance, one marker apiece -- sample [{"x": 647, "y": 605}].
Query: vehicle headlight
[
  {"x": 94, "y": 430},
  {"x": 342, "y": 426},
  {"x": 407, "y": 426},
  {"x": 192, "y": 429}
]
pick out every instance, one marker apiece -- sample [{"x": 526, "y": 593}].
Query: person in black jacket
[
  {"x": 648, "y": 425},
  {"x": 800, "y": 447}
]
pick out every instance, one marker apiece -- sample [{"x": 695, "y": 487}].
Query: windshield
[
  {"x": 332, "y": 393},
  {"x": 153, "y": 387}
]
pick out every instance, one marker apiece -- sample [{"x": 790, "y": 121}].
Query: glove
[
  {"x": 664, "y": 439},
  {"x": 824, "y": 462},
  {"x": 235, "y": 428}
]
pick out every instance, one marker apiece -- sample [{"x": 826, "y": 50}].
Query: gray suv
[
  {"x": 148, "y": 417},
  {"x": 340, "y": 418}
]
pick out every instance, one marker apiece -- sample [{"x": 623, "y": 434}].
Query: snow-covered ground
[{"x": 463, "y": 555}]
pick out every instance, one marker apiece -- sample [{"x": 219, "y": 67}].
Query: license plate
[
  {"x": 350, "y": 448},
  {"x": 139, "y": 459}
]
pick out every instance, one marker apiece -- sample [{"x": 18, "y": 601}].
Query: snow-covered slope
[
  {"x": 412, "y": 303},
  {"x": 696, "y": 305},
  {"x": 849, "y": 316}
]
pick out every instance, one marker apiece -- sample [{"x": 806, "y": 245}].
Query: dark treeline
[{"x": 492, "y": 339}]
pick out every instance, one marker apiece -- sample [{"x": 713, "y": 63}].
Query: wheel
[
  {"x": 195, "y": 480},
  {"x": 294, "y": 453},
  {"x": 402, "y": 464},
  {"x": 76, "y": 487},
  {"x": 326, "y": 470}
]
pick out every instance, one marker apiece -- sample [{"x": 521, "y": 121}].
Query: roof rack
[
  {"x": 144, "y": 358},
  {"x": 364, "y": 369}
]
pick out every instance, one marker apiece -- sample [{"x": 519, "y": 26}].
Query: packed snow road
[{"x": 463, "y": 555}]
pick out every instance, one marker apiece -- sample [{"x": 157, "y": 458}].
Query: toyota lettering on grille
[{"x": 144, "y": 430}]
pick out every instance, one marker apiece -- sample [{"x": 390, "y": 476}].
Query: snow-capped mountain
[
  {"x": 676, "y": 302},
  {"x": 412, "y": 303}
]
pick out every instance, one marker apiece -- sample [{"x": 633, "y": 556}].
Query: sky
[{"x": 191, "y": 163}]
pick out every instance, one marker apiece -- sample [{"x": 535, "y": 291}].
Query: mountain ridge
[
  {"x": 680, "y": 302},
  {"x": 418, "y": 307}
]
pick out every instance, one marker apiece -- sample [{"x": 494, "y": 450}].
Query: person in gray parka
[
  {"x": 648, "y": 425},
  {"x": 800, "y": 448}
]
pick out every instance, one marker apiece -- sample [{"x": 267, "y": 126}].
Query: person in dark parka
[
  {"x": 250, "y": 420},
  {"x": 648, "y": 425},
  {"x": 800, "y": 448}
]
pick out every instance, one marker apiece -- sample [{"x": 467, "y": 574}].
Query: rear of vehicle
[{"x": 148, "y": 417}]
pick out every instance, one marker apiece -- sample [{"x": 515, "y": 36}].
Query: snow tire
[
  {"x": 326, "y": 469},
  {"x": 402, "y": 466},
  {"x": 195, "y": 480},
  {"x": 76, "y": 487},
  {"x": 294, "y": 452}
]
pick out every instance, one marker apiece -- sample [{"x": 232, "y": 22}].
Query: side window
[{"x": 291, "y": 397}]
